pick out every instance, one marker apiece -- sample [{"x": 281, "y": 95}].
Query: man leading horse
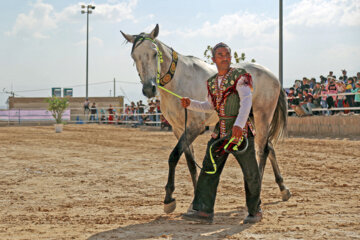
[{"x": 229, "y": 94}]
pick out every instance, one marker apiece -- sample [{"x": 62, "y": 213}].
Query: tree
[
  {"x": 208, "y": 56},
  {"x": 57, "y": 107}
]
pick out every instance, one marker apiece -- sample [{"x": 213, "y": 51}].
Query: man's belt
[{"x": 227, "y": 117}]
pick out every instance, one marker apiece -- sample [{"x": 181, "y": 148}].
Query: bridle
[{"x": 162, "y": 81}]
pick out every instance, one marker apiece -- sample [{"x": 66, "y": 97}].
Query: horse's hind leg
[
  {"x": 285, "y": 192},
  {"x": 190, "y": 160}
]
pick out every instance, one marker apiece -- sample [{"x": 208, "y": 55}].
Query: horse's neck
[{"x": 167, "y": 57}]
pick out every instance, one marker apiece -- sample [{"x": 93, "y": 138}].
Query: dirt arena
[{"x": 106, "y": 182}]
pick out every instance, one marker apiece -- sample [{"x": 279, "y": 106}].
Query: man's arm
[
  {"x": 198, "y": 106},
  {"x": 245, "y": 95}
]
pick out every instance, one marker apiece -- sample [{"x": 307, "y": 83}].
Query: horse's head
[{"x": 145, "y": 54}]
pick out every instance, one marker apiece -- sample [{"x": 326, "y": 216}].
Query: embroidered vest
[{"x": 226, "y": 100}]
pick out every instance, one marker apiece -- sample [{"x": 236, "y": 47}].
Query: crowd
[
  {"x": 331, "y": 94},
  {"x": 132, "y": 114}
]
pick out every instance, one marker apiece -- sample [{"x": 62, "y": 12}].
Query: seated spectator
[
  {"x": 317, "y": 95},
  {"x": 331, "y": 89},
  {"x": 296, "y": 105},
  {"x": 297, "y": 87},
  {"x": 312, "y": 83},
  {"x": 291, "y": 99},
  {"x": 340, "y": 98},
  {"x": 305, "y": 84},
  {"x": 307, "y": 104},
  {"x": 323, "y": 101}
]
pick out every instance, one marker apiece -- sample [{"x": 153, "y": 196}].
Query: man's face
[{"x": 222, "y": 58}]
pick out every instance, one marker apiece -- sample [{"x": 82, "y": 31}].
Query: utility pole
[
  {"x": 114, "y": 87},
  {"x": 88, "y": 11},
  {"x": 281, "y": 42}
]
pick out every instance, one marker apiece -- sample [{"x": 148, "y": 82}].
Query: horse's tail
[{"x": 279, "y": 122}]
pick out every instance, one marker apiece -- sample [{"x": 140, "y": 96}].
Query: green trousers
[{"x": 207, "y": 184}]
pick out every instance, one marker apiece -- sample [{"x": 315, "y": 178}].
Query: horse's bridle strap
[{"x": 162, "y": 81}]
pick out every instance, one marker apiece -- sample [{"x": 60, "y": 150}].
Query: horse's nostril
[
  {"x": 143, "y": 91},
  {"x": 154, "y": 89}
]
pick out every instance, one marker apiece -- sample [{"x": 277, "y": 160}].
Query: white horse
[{"x": 188, "y": 78}]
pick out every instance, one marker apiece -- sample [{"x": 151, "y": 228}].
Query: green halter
[{"x": 159, "y": 61}]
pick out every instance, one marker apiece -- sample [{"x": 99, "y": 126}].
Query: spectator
[
  {"x": 93, "y": 112},
  {"x": 340, "y": 98},
  {"x": 307, "y": 104},
  {"x": 111, "y": 114},
  {"x": 331, "y": 89},
  {"x": 158, "y": 111},
  {"x": 305, "y": 84},
  {"x": 312, "y": 83},
  {"x": 151, "y": 111},
  {"x": 297, "y": 86},
  {"x": 345, "y": 78},
  {"x": 86, "y": 106},
  {"x": 317, "y": 95},
  {"x": 357, "y": 95},
  {"x": 350, "y": 86},
  {"x": 296, "y": 105},
  {"x": 331, "y": 74},
  {"x": 292, "y": 99},
  {"x": 141, "y": 111},
  {"x": 323, "y": 101}
]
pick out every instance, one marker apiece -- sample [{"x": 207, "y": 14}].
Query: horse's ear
[
  {"x": 155, "y": 32},
  {"x": 128, "y": 37}
]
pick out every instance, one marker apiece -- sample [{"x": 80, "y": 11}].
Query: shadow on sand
[{"x": 225, "y": 225}]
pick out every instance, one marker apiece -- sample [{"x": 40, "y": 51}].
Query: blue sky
[{"x": 42, "y": 42}]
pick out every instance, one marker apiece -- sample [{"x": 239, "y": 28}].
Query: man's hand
[
  {"x": 236, "y": 132},
  {"x": 185, "y": 102}
]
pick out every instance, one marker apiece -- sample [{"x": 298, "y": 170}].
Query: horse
[{"x": 187, "y": 76}]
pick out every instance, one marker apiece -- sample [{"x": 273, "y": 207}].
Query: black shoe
[
  {"x": 199, "y": 216},
  {"x": 253, "y": 218}
]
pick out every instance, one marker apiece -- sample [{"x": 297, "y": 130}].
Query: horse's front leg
[
  {"x": 182, "y": 145},
  {"x": 169, "y": 202}
]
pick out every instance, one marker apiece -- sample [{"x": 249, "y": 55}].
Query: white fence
[{"x": 80, "y": 116}]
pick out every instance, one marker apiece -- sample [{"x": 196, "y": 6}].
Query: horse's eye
[{"x": 154, "y": 55}]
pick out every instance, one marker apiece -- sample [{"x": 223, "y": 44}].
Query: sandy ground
[{"x": 106, "y": 182}]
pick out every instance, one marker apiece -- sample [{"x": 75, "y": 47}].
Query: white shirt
[{"x": 245, "y": 96}]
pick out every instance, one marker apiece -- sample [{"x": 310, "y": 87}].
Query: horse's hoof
[
  {"x": 170, "y": 207},
  {"x": 286, "y": 194}
]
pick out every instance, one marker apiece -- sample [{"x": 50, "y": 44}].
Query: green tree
[
  {"x": 238, "y": 59},
  {"x": 57, "y": 107}
]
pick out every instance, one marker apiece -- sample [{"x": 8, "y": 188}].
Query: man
[
  {"x": 317, "y": 94},
  {"x": 345, "y": 78},
  {"x": 229, "y": 93},
  {"x": 93, "y": 112},
  {"x": 291, "y": 99},
  {"x": 305, "y": 84},
  {"x": 297, "y": 103}
]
